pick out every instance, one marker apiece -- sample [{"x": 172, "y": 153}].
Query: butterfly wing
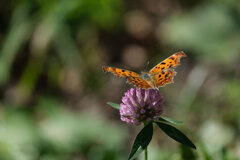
[
  {"x": 164, "y": 77},
  {"x": 171, "y": 62},
  {"x": 138, "y": 82},
  {"x": 132, "y": 77},
  {"x": 162, "y": 73},
  {"x": 120, "y": 72}
]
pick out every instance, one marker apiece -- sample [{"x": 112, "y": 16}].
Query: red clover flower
[{"x": 141, "y": 105}]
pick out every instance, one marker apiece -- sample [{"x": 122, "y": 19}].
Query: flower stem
[
  {"x": 146, "y": 153},
  {"x": 146, "y": 150}
]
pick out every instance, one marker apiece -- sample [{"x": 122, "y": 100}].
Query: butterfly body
[
  {"x": 149, "y": 78},
  {"x": 160, "y": 75}
]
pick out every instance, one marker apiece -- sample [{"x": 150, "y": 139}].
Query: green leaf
[
  {"x": 175, "y": 134},
  {"x": 169, "y": 120},
  {"x": 114, "y": 105},
  {"x": 142, "y": 140}
]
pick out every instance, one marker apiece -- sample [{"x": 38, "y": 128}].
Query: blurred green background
[{"x": 53, "y": 92}]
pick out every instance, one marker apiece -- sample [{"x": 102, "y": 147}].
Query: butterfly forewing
[
  {"x": 132, "y": 77},
  {"x": 120, "y": 72},
  {"x": 171, "y": 62}
]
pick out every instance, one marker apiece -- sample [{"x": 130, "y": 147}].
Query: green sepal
[
  {"x": 114, "y": 105},
  {"x": 169, "y": 120}
]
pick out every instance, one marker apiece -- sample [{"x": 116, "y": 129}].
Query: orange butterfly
[{"x": 158, "y": 76}]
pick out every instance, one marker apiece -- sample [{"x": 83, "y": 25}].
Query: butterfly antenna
[{"x": 147, "y": 65}]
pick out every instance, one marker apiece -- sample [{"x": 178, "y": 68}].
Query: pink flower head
[{"x": 141, "y": 105}]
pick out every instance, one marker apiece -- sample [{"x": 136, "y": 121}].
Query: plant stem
[
  {"x": 146, "y": 150},
  {"x": 146, "y": 153}
]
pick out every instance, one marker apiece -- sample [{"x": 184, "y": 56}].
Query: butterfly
[{"x": 160, "y": 75}]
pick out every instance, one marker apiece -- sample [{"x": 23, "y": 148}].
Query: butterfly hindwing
[
  {"x": 171, "y": 62},
  {"x": 164, "y": 77},
  {"x": 138, "y": 82}
]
